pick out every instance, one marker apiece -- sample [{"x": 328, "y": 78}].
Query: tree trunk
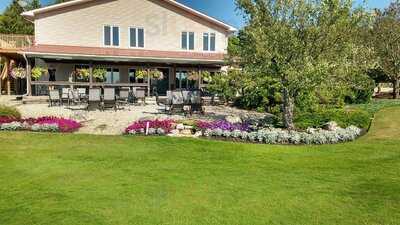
[
  {"x": 396, "y": 89},
  {"x": 288, "y": 108}
]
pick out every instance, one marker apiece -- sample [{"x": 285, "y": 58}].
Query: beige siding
[{"x": 163, "y": 26}]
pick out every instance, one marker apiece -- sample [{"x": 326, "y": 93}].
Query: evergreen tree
[{"x": 11, "y": 22}]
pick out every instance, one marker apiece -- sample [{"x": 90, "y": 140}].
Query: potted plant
[
  {"x": 82, "y": 74},
  {"x": 18, "y": 72},
  {"x": 141, "y": 74},
  {"x": 156, "y": 74},
  {"x": 37, "y": 72},
  {"x": 193, "y": 75},
  {"x": 99, "y": 74},
  {"x": 206, "y": 76}
]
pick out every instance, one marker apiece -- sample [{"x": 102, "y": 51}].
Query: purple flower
[{"x": 223, "y": 125}]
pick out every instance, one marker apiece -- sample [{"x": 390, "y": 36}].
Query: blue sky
[{"x": 222, "y": 9}]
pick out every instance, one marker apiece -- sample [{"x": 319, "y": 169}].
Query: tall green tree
[
  {"x": 302, "y": 45},
  {"x": 386, "y": 43},
  {"x": 11, "y": 21}
]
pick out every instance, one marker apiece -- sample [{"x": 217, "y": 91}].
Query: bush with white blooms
[{"x": 280, "y": 136}]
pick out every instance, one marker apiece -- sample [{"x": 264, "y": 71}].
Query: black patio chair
[{"x": 196, "y": 102}]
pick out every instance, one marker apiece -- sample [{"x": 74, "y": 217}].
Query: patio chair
[
  {"x": 65, "y": 94},
  {"x": 177, "y": 102},
  {"x": 82, "y": 93},
  {"x": 73, "y": 97},
  {"x": 164, "y": 101},
  {"x": 186, "y": 96},
  {"x": 109, "y": 98},
  {"x": 123, "y": 98},
  {"x": 196, "y": 102},
  {"x": 94, "y": 98},
  {"x": 140, "y": 94},
  {"x": 54, "y": 97}
]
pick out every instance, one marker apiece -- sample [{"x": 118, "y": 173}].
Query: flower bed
[
  {"x": 222, "y": 125},
  {"x": 41, "y": 124},
  {"x": 279, "y": 136},
  {"x": 150, "y": 127}
]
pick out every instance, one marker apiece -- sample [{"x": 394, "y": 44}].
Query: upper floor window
[
  {"x": 136, "y": 37},
  {"x": 111, "y": 35},
  {"x": 209, "y": 41},
  {"x": 188, "y": 40}
]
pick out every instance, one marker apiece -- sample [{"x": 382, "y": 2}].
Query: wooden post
[
  {"x": 148, "y": 82},
  {"x": 174, "y": 78},
  {"x": 8, "y": 86},
  {"x": 199, "y": 77},
  {"x": 91, "y": 75},
  {"x": 29, "y": 78}
]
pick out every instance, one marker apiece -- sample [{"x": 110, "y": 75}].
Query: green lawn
[{"x": 81, "y": 179}]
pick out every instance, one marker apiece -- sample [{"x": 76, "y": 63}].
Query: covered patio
[{"x": 122, "y": 68}]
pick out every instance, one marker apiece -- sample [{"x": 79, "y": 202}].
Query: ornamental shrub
[
  {"x": 13, "y": 126},
  {"x": 7, "y": 111},
  {"x": 45, "y": 127},
  {"x": 279, "y": 136},
  {"x": 343, "y": 117}
]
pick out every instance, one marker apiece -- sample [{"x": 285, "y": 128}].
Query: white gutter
[{"x": 125, "y": 58}]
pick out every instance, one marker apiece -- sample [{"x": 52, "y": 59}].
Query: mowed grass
[{"x": 82, "y": 179}]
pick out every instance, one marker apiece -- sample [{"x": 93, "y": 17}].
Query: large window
[
  {"x": 209, "y": 41},
  {"x": 112, "y": 76},
  {"x": 136, "y": 37},
  {"x": 182, "y": 81},
  {"x": 111, "y": 36},
  {"x": 187, "y": 40}
]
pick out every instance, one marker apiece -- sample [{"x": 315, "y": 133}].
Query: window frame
[
  {"x": 209, "y": 34},
  {"x": 112, "y": 69},
  {"x": 188, "y": 41},
  {"x": 111, "y": 36},
  {"x": 205, "y": 34},
  {"x": 137, "y": 37}
]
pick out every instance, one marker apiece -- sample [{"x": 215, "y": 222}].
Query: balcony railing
[{"x": 15, "y": 42}]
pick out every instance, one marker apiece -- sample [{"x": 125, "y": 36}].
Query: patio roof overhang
[{"x": 123, "y": 55}]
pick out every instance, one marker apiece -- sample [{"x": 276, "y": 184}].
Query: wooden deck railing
[{"x": 15, "y": 42}]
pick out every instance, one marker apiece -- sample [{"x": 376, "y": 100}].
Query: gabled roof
[{"x": 31, "y": 14}]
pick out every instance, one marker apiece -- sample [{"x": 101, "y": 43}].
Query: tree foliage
[
  {"x": 11, "y": 21},
  {"x": 386, "y": 42},
  {"x": 307, "y": 48}
]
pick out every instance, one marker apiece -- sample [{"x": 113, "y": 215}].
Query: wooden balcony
[{"x": 14, "y": 43}]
